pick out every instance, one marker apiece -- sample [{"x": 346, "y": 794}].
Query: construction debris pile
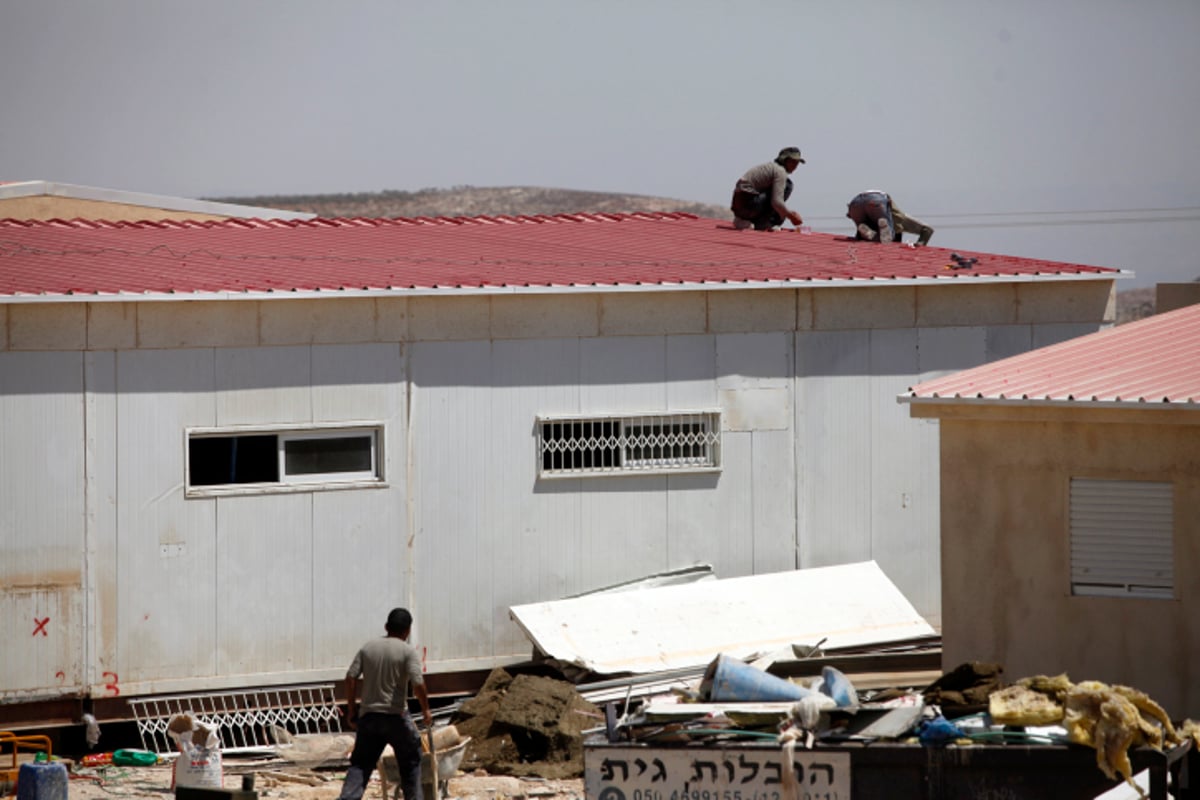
[
  {"x": 970, "y": 705},
  {"x": 1110, "y": 719},
  {"x": 526, "y": 726}
]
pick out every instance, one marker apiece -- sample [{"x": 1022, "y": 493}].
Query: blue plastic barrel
[
  {"x": 731, "y": 680},
  {"x": 42, "y": 781}
]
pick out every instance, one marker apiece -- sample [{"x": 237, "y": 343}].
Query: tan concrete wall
[
  {"x": 55, "y": 207},
  {"x": 55, "y": 326},
  {"x": 1066, "y": 301},
  {"x": 1170, "y": 296},
  {"x": 335, "y": 320},
  {"x": 1005, "y": 550}
]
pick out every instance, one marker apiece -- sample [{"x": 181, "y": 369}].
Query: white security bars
[
  {"x": 246, "y": 720},
  {"x": 619, "y": 445}
]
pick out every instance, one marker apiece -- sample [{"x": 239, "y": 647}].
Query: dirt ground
[
  {"x": 106, "y": 783},
  {"x": 524, "y": 740}
]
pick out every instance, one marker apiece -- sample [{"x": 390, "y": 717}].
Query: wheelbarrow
[{"x": 448, "y": 760}]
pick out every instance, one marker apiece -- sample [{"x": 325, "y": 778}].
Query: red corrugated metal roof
[
  {"x": 78, "y": 257},
  {"x": 1154, "y": 362}
]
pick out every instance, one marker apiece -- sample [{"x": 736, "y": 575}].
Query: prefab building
[
  {"x": 49, "y": 200},
  {"x": 228, "y": 448},
  {"x": 1070, "y": 480}
]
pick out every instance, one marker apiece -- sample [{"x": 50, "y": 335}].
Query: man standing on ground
[
  {"x": 385, "y": 668},
  {"x": 760, "y": 196}
]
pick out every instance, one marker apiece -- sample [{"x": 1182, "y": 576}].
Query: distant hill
[{"x": 471, "y": 201}]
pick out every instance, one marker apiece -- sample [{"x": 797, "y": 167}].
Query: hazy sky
[{"x": 992, "y": 109}]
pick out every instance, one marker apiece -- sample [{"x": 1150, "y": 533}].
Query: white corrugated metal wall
[
  {"x": 202, "y": 592},
  {"x": 820, "y": 466},
  {"x": 491, "y": 535},
  {"x": 42, "y": 524}
]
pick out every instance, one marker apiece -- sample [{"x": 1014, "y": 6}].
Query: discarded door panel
[
  {"x": 733, "y": 772},
  {"x": 673, "y": 577},
  {"x": 686, "y": 626}
]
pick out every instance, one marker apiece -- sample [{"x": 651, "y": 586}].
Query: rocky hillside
[{"x": 469, "y": 201}]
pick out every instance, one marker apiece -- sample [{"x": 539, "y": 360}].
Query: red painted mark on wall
[
  {"x": 111, "y": 687},
  {"x": 62, "y": 676},
  {"x": 424, "y": 656},
  {"x": 41, "y": 626}
]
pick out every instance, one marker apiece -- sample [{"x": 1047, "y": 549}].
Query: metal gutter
[
  {"x": 457, "y": 291},
  {"x": 1044, "y": 402}
]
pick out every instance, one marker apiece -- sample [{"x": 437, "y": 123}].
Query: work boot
[
  {"x": 742, "y": 224},
  {"x": 865, "y": 232}
]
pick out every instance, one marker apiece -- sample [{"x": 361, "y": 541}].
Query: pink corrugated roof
[
  {"x": 1154, "y": 362},
  {"x": 77, "y": 257}
]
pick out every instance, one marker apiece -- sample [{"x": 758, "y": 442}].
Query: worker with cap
[
  {"x": 760, "y": 196},
  {"x": 877, "y": 218}
]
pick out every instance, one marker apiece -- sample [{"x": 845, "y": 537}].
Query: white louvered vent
[
  {"x": 1122, "y": 536},
  {"x": 620, "y": 445}
]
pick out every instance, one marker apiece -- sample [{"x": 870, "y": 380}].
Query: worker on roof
[
  {"x": 876, "y": 218},
  {"x": 760, "y": 196}
]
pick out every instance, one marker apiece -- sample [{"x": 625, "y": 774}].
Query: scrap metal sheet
[{"x": 687, "y": 626}]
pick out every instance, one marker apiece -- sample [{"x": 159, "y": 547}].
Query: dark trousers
[
  {"x": 376, "y": 731},
  {"x": 756, "y": 207}
]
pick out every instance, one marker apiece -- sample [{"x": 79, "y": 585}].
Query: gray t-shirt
[
  {"x": 386, "y": 667},
  {"x": 771, "y": 178}
]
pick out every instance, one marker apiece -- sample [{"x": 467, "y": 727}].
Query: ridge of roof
[
  {"x": 1150, "y": 363},
  {"x": 343, "y": 222}
]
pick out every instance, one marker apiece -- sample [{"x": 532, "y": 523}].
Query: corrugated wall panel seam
[{"x": 89, "y": 497}]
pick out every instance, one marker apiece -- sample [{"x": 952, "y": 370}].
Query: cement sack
[
  {"x": 199, "y": 761},
  {"x": 198, "y": 767}
]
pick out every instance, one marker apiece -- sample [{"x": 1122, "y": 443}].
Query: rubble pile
[
  {"x": 970, "y": 705},
  {"x": 1110, "y": 719},
  {"x": 526, "y": 726}
]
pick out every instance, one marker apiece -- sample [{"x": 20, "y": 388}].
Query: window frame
[
  {"x": 625, "y": 464},
  {"x": 298, "y": 482}
]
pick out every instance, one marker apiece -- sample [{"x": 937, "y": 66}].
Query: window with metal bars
[
  {"x": 641, "y": 443},
  {"x": 1122, "y": 538}
]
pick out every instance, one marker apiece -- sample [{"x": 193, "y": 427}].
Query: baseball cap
[{"x": 791, "y": 153}]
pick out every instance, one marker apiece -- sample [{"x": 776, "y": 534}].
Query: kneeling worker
[
  {"x": 876, "y": 217},
  {"x": 760, "y": 195}
]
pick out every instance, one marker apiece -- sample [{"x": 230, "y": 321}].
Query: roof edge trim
[
  {"x": 1148, "y": 405},
  {"x": 433, "y": 291}
]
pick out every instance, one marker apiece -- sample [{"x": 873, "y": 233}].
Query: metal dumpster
[{"x": 755, "y": 771}]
